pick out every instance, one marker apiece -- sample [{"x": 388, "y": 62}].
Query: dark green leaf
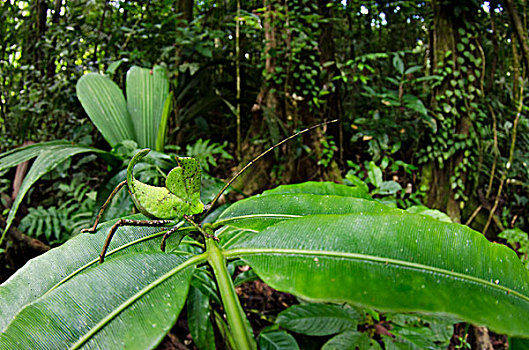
[
  {"x": 277, "y": 340},
  {"x": 105, "y": 104},
  {"x": 393, "y": 261},
  {"x": 198, "y": 319},
  {"x": 351, "y": 340},
  {"x": 48, "y": 157},
  {"x": 318, "y": 319}
]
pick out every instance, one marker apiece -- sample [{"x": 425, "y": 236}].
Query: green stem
[{"x": 242, "y": 334}]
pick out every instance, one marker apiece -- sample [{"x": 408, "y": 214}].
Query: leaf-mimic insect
[{"x": 180, "y": 198}]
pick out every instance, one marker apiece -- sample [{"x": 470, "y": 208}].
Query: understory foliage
[
  {"x": 430, "y": 101},
  {"x": 306, "y": 239}
]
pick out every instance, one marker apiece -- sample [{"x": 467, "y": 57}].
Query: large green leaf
[
  {"x": 323, "y": 188},
  {"x": 318, "y": 319},
  {"x": 199, "y": 320},
  {"x": 18, "y": 155},
  {"x": 64, "y": 299},
  {"x": 105, "y": 104},
  {"x": 147, "y": 92},
  {"x": 258, "y": 212},
  {"x": 393, "y": 260},
  {"x": 49, "y": 155}
]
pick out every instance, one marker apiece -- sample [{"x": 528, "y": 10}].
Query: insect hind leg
[
  {"x": 128, "y": 222},
  {"x": 167, "y": 235},
  {"x": 104, "y": 206}
]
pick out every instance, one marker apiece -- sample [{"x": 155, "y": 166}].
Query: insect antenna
[{"x": 210, "y": 205}]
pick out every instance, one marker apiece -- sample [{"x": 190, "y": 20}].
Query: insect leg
[
  {"x": 128, "y": 222},
  {"x": 104, "y": 206},
  {"x": 167, "y": 235}
]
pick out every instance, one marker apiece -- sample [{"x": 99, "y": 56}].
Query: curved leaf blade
[
  {"x": 199, "y": 321},
  {"x": 351, "y": 340},
  {"x": 47, "y": 272},
  {"x": 321, "y": 188},
  {"x": 162, "y": 129},
  {"x": 393, "y": 261},
  {"x": 126, "y": 302},
  {"x": 105, "y": 104},
  {"x": 18, "y": 155},
  {"x": 48, "y": 158},
  {"x": 147, "y": 91},
  {"x": 259, "y": 212}
]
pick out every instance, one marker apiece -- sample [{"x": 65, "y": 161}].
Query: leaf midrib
[
  {"x": 195, "y": 260},
  {"x": 120, "y": 248},
  {"x": 227, "y": 221},
  {"x": 241, "y": 252}
]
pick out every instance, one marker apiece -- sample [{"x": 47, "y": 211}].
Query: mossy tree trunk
[
  {"x": 294, "y": 48},
  {"x": 455, "y": 57}
]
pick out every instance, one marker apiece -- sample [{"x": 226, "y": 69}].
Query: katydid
[{"x": 180, "y": 198}]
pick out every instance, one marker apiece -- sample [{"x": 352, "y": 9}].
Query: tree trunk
[
  {"x": 445, "y": 174},
  {"x": 55, "y": 21},
  {"x": 185, "y": 7},
  {"x": 41, "y": 10},
  {"x": 521, "y": 32},
  {"x": 266, "y": 111}
]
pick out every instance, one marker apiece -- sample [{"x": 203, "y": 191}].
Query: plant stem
[
  {"x": 238, "y": 73},
  {"x": 242, "y": 335}
]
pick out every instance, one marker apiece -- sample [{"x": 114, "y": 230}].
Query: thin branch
[{"x": 509, "y": 161}]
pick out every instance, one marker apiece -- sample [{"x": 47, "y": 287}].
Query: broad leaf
[
  {"x": 64, "y": 299},
  {"x": 198, "y": 319},
  {"x": 162, "y": 129},
  {"x": 351, "y": 340},
  {"x": 393, "y": 260},
  {"x": 318, "y": 319},
  {"x": 18, "y": 155},
  {"x": 277, "y": 340},
  {"x": 261, "y": 211},
  {"x": 105, "y": 104},
  {"x": 323, "y": 188},
  {"x": 147, "y": 92},
  {"x": 423, "y": 332}
]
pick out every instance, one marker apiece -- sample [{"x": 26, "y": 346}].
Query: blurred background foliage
[{"x": 430, "y": 97}]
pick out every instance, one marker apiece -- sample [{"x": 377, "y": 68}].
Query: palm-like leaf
[
  {"x": 147, "y": 92},
  {"x": 140, "y": 117},
  {"x": 105, "y": 104}
]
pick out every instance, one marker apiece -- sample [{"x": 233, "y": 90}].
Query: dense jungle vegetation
[{"x": 432, "y": 132}]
